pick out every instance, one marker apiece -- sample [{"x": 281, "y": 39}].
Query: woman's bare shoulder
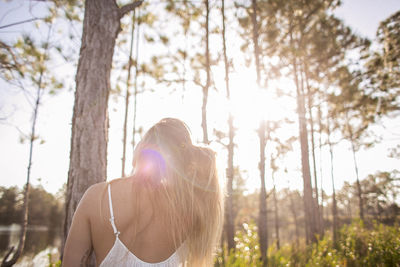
[
  {"x": 95, "y": 189},
  {"x": 91, "y": 196}
]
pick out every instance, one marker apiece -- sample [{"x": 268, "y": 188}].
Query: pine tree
[{"x": 89, "y": 123}]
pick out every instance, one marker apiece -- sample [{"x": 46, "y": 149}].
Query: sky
[{"x": 50, "y": 164}]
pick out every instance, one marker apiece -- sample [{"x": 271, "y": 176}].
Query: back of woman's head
[{"x": 183, "y": 177}]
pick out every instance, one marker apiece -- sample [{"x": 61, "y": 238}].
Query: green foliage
[
  {"x": 10, "y": 206},
  {"x": 45, "y": 209},
  {"x": 357, "y": 246},
  {"x": 247, "y": 251},
  {"x": 51, "y": 263}
]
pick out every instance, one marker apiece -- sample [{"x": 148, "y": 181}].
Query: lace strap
[{"x": 116, "y": 232}]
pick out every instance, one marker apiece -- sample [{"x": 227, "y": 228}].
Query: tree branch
[
  {"x": 20, "y": 22},
  {"x": 129, "y": 7}
]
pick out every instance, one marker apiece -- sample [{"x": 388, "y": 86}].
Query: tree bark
[
  {"x": 262, "y": 217},
  {"x": 230, "y": 226},
  {"x": 88, "y": 155},
  {"x": 208, "y": 81}
]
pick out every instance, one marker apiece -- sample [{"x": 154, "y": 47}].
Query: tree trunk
[
  {"x": 321, "y": 212},
  {"x": 311, "y": 123},
  {"x": 294, "y": 213},
  {"x": 25, "y": 208},
  {"x": 276, "y": 215},
  {"x": 305, "y": 166},
  {"x": 230, "y": 226},
  {"x": 127, "y": 96},
  {"x": 353, "y": 149},
  {"x": 311, "y": 226},
  {"x": 262, "y": 217},
  {"x": 135, "y": 94},
  {"x": 255, "y": 40},
  {"x": 208, "y": 81},
  {"x": 334, "y": 204},
  {"x": 88, "y": 155},
  {"x": 22, "y": 237}
]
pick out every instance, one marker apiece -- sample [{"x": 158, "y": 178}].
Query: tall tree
[
  {"x": 294, "y": 214},
  {"x": 334, "y": 204},
  {"x": 320, "y": 130},
  {"x": 303, "y": 136},
  {"x": 230, "y": 227},
  {"x": 281, "y": 148},
  {"x": 353, "y": 150},
  {"x": 276, "y": 211},
  {"x": 88, "y": 155},
  {"x": 127, "y": 95},
  {"x": 136, "y": 90},
  {"x": 208, "y": 74},
  {"x": 351, "y": 120},
  {"x": 34, "y": 77},
  {"x": 308, "y": 93},
  {"x": 36, "y": 73},
  {"x": 262, "y": 216}
]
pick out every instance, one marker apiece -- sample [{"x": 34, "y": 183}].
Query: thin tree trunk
[
  {"x": 296, "y": 223},
  {"x": 21, "y": 242},
  {"x": 25, "y": 208},
  {"x": 308, "y": 199},
  {"x": 334, "y": 204},
  {"x": 353, "y": 149},
  {"x": 359, "y": 190},
  {"x": 322, "y": 224},
  {"x": 255, "y": 40},
  {"x": 230, "y": 226},
  {"x": 208, "y": 81},
  {"x": 262, "y": 217},
  {"x": 276, "y": 215},
  {"x": 311, "y": 226},
  {"x": 88, "y": 154},
  {"x": 127, "y": 96},
  {"x": 311, "y": 123},
  {"x": 135, "y": 94}
]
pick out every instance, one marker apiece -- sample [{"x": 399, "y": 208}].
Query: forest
[{"x": 290, "y": 97}]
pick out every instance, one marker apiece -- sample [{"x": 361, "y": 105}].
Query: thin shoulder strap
[{"x": 116, "y": 232}]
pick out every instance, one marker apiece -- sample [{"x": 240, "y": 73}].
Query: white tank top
[{"x": 119, "y": 255}]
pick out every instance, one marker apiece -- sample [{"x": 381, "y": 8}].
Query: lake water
[{"x": 39, "y": 242}]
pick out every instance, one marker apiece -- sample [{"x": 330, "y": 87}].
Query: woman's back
[
  {"x": 173, "y": 198},
  {"x": 148, "y": 240}
]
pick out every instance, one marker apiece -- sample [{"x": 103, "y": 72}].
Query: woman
[{"x": 168, "y": 213}]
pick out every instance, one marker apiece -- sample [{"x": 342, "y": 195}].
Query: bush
[{"x": 357, "y": 246}]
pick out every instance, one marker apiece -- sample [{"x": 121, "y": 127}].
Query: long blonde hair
[{"x": 183, "y": 179}]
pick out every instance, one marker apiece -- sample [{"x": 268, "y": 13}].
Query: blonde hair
[{"x": 184, "y": 182}]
